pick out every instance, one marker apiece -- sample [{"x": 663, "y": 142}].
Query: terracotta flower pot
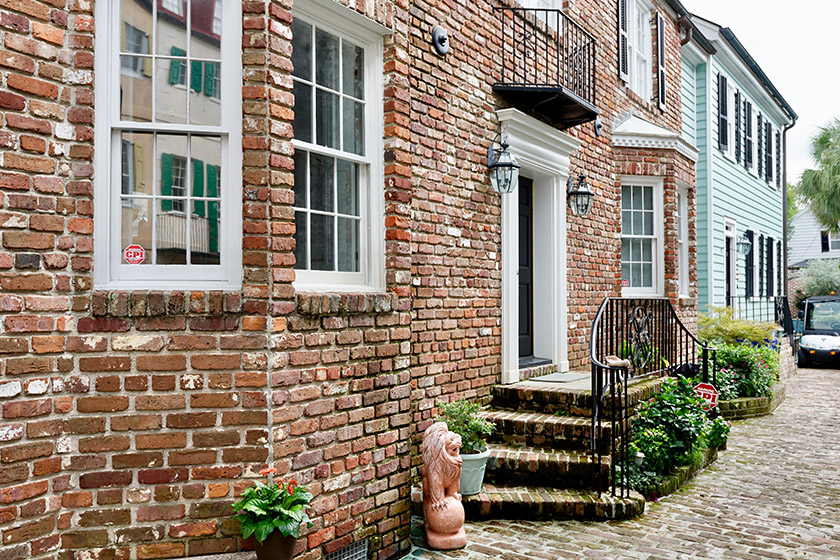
[{"x": 276, "y": 547}]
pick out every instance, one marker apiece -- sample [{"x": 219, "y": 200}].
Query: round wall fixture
[{"x": 440, "y": 40}]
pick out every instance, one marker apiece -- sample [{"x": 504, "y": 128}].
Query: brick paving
[{"x": 773, "y": 494}]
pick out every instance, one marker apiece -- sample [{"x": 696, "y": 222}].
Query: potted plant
[
  {"x": 462, "y": 418},
  {"x": 273, "y": 514}
]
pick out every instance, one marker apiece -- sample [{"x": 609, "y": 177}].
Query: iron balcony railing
[
  {"x": 543, "y": 48},
  {"x": 650, "y": 336}
]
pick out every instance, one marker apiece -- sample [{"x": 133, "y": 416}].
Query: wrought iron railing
[
  {"x": 634, "y": 338},
  {"x": 544, "y": 48},
  {"x": 773, "y": 309}
]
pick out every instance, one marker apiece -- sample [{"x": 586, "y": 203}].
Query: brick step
[
  {"x": 539, "y": 503},
  {"x": 546, "y": 467},
  {"x": 541, "y": 396},
  {"x": 534, "y": 429}
]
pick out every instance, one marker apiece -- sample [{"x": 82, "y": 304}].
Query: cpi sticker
[
  {"x": 134, "y": 254},
  {"x": 708, "y": 393}
]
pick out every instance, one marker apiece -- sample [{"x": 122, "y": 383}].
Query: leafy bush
[
  {"x": 670, "y": 431},
  {"x": 820, "y": 278},
  {"x": 751, "y": 369},
  {"x": 265, "y": 508},
  {"x": 462, "y": 418},
  {"x": 720, "y": 326},
  {"x": 718, "y": 432}
]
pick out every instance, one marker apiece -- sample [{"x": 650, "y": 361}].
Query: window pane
[
  {"x": 625, "y": 250},
  {"x": 302, "y": 50},
  {"x": 648, "y": 223},
  {"x": 326, "y": 119},
  {"x": 625, "y": 221},
  {"x": 636, "y": 249},
  {"x": 637, "y": 198},
  {"x": 204, "y": 42},
  {"x": 348, "y": 188},
  {"x": 636, "y": 275},
  {"x": 204, "y": 233},
  {"x": 648, "y": 197},
  {"x": 348, "y": 245},
  {"x": 170, "y": 99},
  {"x": 136, "y": 89},
  {"x": 136, "y": 163},
  {"x": 206, "y": 153},
  {"x": 300, "y": 179},
  {"x": 322, "y": 240},
  {"x": 205, "y": 103},
  {"x": 132, "y": 15},
  {"x": 171, "y": 235},
  {"x": 321, "y": 183},
  {"x": 172, "y": 170},
  {"x": 171, "y": 28},
  {"x": 326, "y": 57},
  {"x": 301, "y": 240},
  {"x": 625, "y": 271},
  {"x": 638, "y": 218},
  {"x": 303, "y": 112},
  {"x": 625, "y": 198},
  {"x": 354, "y": 127},
  {"x": 647, "y": 275},
  {"x": 353, "y": 63},
  {"x": 136, "y": 226},
  {"x": 647, "y": 250}
]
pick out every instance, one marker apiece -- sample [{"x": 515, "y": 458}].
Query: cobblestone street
[{"x": 774, "y": 493}]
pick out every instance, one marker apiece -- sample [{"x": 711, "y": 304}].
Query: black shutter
[
  {"x": 778, "y": 160},
  {"x": 660, "y": 59},
  {"x": 768, "y": 153},
  {"x": 748, "y": 265},
  {"x": 623, "y": 54},
  {"x": 723, "y": 137},
  {"x": 770, "y": 273},
  {"x": 824, "y": 241},
  {"x": 748, "y": 136},
  {"x": 758, "y": 138},
  {"x": 760, "y": 266},
  {"x": 738, "y": 126}
]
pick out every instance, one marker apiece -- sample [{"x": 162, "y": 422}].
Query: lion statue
[{"x": 442, "y": 508}]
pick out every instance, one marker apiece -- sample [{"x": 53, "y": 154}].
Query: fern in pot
[{"x": 461, "y": 417}]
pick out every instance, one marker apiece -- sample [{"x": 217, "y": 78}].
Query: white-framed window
[
  {"x": 641, "y": 236},
  {"x": 730, "y": 258},
  {"x": 135, "y": 41},
  {"x": 337, "y": 84},
  {"x": 168, "y": 156},
  {"x": 217, "y": 17},
  {"x": 682, "y": 240},
  {"x": 640, "y": 47},
  {"x": 731, "y": 121}
]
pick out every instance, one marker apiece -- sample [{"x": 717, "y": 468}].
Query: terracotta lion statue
[{"x": 442, "y": 508}]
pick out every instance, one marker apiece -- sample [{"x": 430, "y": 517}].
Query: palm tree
[{"x": 821, "y": 186}]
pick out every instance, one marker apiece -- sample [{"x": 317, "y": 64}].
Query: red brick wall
[{"x": 131, "y": 420}]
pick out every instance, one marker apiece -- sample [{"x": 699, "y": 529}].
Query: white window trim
[
  {"x": 640, "y": 83},
  {"x": 109, "y": 272},
  {"x": 682, "y": 246},
  {"x": 729, "y": 232},
  {"x": 371, "y": 277},
  {"x": 658, "y": 288}
]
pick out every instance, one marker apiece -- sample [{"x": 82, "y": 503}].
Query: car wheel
[{"x": 802, "y": 359}]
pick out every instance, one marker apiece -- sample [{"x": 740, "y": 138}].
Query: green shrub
[
  {"x": 751, "y": 369},
  {"x": 720, "y": 326},
  {"x": 462, "y": 418},
  {"x": 718, "y": 432}
]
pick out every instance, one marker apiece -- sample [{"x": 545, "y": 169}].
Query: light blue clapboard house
[{"x": 737, "y": 119}]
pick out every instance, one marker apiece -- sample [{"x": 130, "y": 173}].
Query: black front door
[{"x": 526, "y": 262}]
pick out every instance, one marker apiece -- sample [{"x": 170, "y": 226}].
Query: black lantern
[
  {"x": 579, "y": 195},
  {"x": 504, "y": 171},
  {"x": 744, "y": 245}
]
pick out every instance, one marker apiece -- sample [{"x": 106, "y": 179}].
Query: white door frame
[{"x": 543, "y": 152}]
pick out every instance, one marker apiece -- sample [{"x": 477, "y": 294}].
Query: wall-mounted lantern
[
  {"x": 744, "y": 245},
  {"x": 504, "y": 170},
  {"x": 579, "y": 195}
]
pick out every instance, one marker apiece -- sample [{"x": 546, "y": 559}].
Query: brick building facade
[{"x": 273, "y": 319}]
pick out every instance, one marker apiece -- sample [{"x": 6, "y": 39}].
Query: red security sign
[
  {"x": 134, "y": 254},
  {"x": 708, "y": 393}
]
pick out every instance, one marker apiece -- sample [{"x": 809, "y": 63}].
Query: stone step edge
[
  {"x": 575, "y": 402},
  {"x": 577, "y": 504}
]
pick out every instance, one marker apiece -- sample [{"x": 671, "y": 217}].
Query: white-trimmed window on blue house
[
  {"x": 641, "y": 236},
  {"x": 168, "y": 146},
  {"x": 769, "y": 166},
  {"x": 337, "y": 84},
  {"x": 750, "y": 265}
]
